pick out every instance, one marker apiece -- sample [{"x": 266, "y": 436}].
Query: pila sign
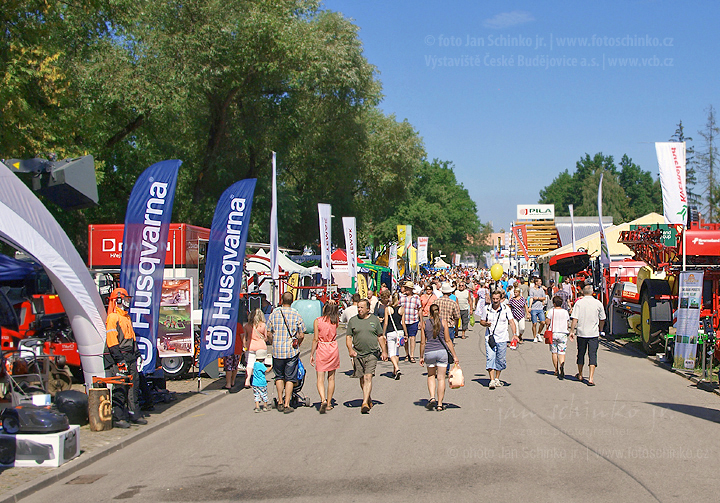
[{"x": 535, "y": 212}]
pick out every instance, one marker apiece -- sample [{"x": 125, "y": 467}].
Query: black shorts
[
  {"x": 589, "y": 344},
  {"x": 286, "y": 369}
]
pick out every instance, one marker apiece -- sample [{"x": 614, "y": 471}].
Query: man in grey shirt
[{"x": 537, "y": 299}]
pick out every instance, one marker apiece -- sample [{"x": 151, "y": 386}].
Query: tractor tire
[
  {"x": 655, "y": 315},
  {"x": 176, "y": 367}
]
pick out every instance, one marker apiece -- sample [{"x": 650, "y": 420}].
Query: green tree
[
  {"x": 708, "y": 165},
  {"x": 644, "y": 193},
  {"x": 627, "y": 193},
  {"x": 437, "y": 206}
]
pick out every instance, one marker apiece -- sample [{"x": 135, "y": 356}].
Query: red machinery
[{"x": 661, "y": 247}]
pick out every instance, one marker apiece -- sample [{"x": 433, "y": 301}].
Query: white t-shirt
[
  {"x": 348, "y": 313},
  {"x": 501, "y": 331},
  {"x": 560, "y": 320},
  {"x": 588, "y": 311}
]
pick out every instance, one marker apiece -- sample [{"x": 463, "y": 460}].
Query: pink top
[{"x": 256, "y": 337}]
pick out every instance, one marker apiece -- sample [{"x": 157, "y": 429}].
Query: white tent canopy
[
  {"x": 286, "y": 264},
  {"x": 27, "y": 225}
]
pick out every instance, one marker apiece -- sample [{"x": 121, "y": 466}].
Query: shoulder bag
[
  {"x": 401, "y": 337},
  {"x": 451, "y": 360},
  {"x": 491, "y": 339},
  {"x": 295, "y": 342},
  {"x": 549, "y": 332}
]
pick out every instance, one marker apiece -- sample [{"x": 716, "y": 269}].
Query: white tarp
[
  {"x": 27, "y": 225},
  {"x": 671, "y": 161}
]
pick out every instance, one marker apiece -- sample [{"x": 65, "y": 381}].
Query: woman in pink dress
[{"x": 325, "y": 355}]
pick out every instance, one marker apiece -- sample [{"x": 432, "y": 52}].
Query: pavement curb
[
  {"x": 703, "y": 385},
  {"x": 83, "y": 462}
]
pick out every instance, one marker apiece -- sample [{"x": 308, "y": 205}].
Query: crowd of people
[{"x": 432, "y": 314}]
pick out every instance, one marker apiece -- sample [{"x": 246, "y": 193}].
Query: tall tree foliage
[
  {"x": 219, "y": 84},
  {"x": 708, "y": 165},
  {"x": 628, "y": 192}
]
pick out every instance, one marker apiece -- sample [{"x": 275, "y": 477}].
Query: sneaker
[
  {"x": 499, "y": 383},
  {"x": 562, "y": 372},
  {"x": 280, "y": 407},
  {"x": 492, "y": 384},
  {"x": 121, "y": 424},
  {"x": 288, "y": 410},
  {"x": 257, "y": 409},
  {"x": 397, "y": 375},
  {"x": 139, "y": 420}
]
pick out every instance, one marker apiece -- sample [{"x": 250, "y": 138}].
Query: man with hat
[
  {"x": 121, "y": 356},
  {"x": 449, "y": 310},
  {"x": 413, "y": 316}
]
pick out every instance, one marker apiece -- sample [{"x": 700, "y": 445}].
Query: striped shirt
[
  {"x": 412, "y": 306},
  {"x": 282, "y": 339},
  {"x": 517, "y": 306}
]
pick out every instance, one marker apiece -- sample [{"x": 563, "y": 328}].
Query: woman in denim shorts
[
  {"x": 558, "y": 321},
  {"x": 434, "y": 346}
]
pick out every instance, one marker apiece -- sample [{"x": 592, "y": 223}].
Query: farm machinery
[{"x": 653, "y": 296}]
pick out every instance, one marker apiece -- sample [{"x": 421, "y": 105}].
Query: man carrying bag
[{"x": 498, "y": 319}]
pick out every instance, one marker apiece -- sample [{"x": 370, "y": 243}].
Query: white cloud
[{"x": 508, "y": 19}]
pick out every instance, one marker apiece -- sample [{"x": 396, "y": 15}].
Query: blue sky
[{"x": 510, "y": 129}]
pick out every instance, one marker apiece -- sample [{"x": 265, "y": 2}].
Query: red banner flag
[{"x": 520, "y": 232}]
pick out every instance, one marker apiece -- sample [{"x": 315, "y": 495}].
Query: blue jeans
[{"x": 495, "y": 357}]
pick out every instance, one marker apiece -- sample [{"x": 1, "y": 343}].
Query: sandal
[
  {"x": 411, "y": 360},
  {"x": 365, "y": 409},
  {"x": 323, "y": 407},
  {"x": 431, "y": 404},
  {"x": 590, "y": 383},
  {"x": 441, "y": 408},
  {"x": 579, "y": 377}
]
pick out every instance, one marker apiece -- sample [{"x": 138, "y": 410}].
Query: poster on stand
[
  {"x": 175, "y": 332},
  {"x": 688, "y": 319}
]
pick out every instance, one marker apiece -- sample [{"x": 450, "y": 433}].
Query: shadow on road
[
  {"x": 424, "y": 401},
  {"x": 705, "y": 413},
  {"x": 356, "y": 404},
  {"x": 545, "y": 372}
]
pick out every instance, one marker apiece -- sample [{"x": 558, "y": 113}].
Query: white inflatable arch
[{"x": 27, "y": 225}]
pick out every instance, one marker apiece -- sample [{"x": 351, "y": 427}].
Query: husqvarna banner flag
[
  {"x": 520, "y": 232},
  {"x": 324, "y": 212},
  {"x": 350, "y": 245},
  {"x": 147, "y": 222},
  {"x": 688, "y": 319},
  {"x": 422, "y": 257},
  {"x": 223, "y": 271},
  {"x": 604, "y": 250},
  {"x": 671, "y": 160}
]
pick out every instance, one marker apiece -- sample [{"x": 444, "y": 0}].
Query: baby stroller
[{"x": 298, "y": 398}]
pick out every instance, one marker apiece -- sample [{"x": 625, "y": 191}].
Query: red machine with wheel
[{"x": 661, "y": 248}]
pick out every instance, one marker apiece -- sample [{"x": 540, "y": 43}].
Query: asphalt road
[{"x": 642, "y": 434}]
